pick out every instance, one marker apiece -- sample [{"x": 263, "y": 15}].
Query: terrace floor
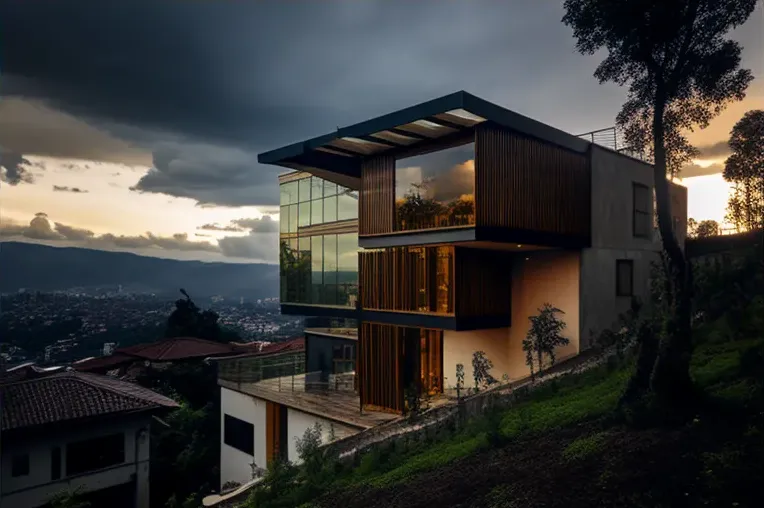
[{"x": 337, "y": 405}]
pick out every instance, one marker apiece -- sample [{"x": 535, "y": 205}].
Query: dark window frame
[
  {"x": 619, "y": 290},
  {"x": 19, "y": 465},
  {"x": 95, "y": 454},
  {"x": 635, "y": 211},
  {"x": 239, "y": 434}
]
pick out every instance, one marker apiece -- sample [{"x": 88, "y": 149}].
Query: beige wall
[{"x": 537, "y": 278}]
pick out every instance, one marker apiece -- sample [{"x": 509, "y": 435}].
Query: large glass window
[
  {"x": 330, "y": 209},
  {"x": 289, "y": 193},
  {"x": 436, "y": 190},
  {"x": 317, "y": 211},
  {"x": 320, "y": 270},
  {"x": 304, "y": 214},
  {"x": 347, "y": 204},
  {"x": 304, "y": 189}
]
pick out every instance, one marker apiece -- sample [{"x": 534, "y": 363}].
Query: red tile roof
[
  {"x": 72, "y": 396},
  {"x": 103, "y": 363},
  {"x": 282, "y": 347},
  {"x": 178, "y": 348}
]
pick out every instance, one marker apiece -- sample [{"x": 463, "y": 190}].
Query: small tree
[
  {"x": 459, "y": 380},
  {"x": 309, "y": 450},
  {"x": 543, "y": 337},
  {"x": 481, "y": 369}
]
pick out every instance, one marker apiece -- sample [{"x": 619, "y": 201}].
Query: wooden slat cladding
[
  {"x": 408, "y": 279},
  {"x": 380, "y": 359},
  {"x": 483, "y": 282},
  {"x": 393, "y": 358},
  {"x": 376, "y": 201},
  {"x": 522, "y": 183}
]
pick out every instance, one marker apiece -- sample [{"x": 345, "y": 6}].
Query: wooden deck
[{"x": 337, "y": 405}]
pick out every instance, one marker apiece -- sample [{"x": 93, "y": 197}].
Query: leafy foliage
[
  {"x": 707, "y": 228},
  {"x": 459, "y": 380},
  {"x": 745, "y": 169},
  {"x": 69, "y": 499},
  {"x": 543, "y": 338},
  {"x": 188, "y": 320}
]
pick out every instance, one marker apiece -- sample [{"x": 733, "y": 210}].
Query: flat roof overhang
[{"x": 337, "y": 156}]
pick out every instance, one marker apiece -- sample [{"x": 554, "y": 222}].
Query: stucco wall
[
  {"x": 36, "y": 488},
  {"x": 235, "y": 465},
  {"x": 298, "y": 422},
  {"x": 537, "y": 278}
]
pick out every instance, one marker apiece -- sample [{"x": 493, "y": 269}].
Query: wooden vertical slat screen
[
  {"x": 523, "y": 183},
  {"x": 380, "y": 358},
  {"x": 376, "y": 201},
  {"x": 407, "y": 279},
  {"x": 272, "y": 430},
  {"x": 483, "y": 284}
]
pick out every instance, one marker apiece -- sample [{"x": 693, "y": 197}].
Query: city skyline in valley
[{"x": 149, "y": 145}]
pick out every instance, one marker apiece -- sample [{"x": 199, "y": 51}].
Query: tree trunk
[
  {"x": 671, "y": 373},
  {"x": 647, "y": 352}
]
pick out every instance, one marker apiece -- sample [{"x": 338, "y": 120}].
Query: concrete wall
[
  {"x": 537, "y": 278},
  {"x": 298, "y": 422},
  {"x": 36, "y": 488},
  {"x": 613, "y": 238},
  {"x": 235, "y": 465}
]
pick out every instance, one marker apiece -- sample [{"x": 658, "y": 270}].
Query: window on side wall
[
  {"x": 642, "y": 216},
  {"x": 94, "y": 454},
  {"x": 19, "y": 465},
  {"x": 239, "y": 434},
  {"x": 624, "y": 277}
]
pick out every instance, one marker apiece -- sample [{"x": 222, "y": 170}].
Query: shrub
[{"x": 481, "y": 369}]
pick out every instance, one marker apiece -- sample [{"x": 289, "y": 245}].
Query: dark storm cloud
[
  {"x": 66, "y": 188},
  {"x": 252, "y": 76},
  {"x": 13, "y": 170},
  {"x": 714, "y": 150},
  {"x": 266, "y": 224}
]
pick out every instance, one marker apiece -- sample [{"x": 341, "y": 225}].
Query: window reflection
[
  {"x": 311, "y": 201},
  {"x": 436, "y": 190},
  {"x": 320, "y": 270}
]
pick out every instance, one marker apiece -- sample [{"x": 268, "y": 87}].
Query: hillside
[
  {"x": 44, "y": 268},
  {"x": 568, "y": 444}
]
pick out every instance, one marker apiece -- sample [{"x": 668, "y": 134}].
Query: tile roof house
[
  {"x": 76, "y": 430},
  {"x": 166, "y": 350}
]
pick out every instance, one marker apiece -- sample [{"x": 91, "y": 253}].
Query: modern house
[
  {"x": 470, "y": 217},
  {"x": 76, "y": 432}
]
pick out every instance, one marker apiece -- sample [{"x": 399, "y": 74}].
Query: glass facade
[
  {"x": 317, "y": 269},
  {"x": 311, "y": 201},
  {"x": 320, "y": 269},
  {"x": 436, "y": 190}
]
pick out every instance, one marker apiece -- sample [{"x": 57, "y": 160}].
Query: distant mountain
[{"x": 44, "y": 268}]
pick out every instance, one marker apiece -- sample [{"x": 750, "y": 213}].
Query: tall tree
[
  {"x": 745, "y": 169},
  {"x": 681, "y": 72}
]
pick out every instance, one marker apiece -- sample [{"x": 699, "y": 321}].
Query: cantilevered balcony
[{"x": 456, "y": 169}]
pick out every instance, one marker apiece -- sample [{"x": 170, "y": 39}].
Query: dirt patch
[{"x": 624, "y": 467}]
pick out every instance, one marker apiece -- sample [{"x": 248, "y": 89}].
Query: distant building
[{"x": 76, "y": 432}]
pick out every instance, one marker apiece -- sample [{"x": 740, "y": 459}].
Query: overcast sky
[{"x": 135, "y": 124}]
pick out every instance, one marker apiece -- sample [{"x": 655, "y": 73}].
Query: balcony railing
[{"x": 613, "y": 138}]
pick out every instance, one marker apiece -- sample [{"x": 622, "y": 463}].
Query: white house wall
[
  {"x": 235, "y": 465},
  {"x": 537, "y": 278},
  {"x": 36, "y": 488},
  {"x": 298, "y": 422}
]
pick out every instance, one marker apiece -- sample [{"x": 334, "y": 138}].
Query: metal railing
[{"x": 613, "y": 138}]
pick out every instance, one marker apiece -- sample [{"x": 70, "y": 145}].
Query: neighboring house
[
  {"x": 76, "y": 432},
  {"x": 159, "y": 353},
  {"x": 470, "y": 217},
  {"x": 268, "y": 400}
]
